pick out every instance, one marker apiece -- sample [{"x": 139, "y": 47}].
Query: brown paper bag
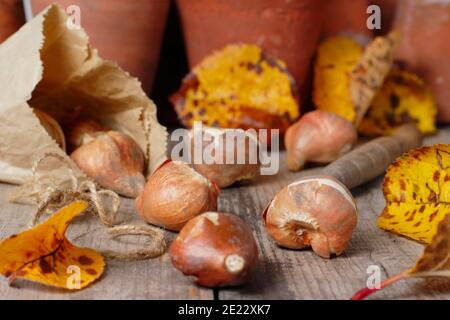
[{"x": 49, "y": 64}]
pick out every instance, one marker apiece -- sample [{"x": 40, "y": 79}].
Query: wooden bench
[{"x": 282, "y": 274}]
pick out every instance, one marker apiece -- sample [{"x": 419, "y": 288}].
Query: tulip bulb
[
  {"x": 218, "y": 249},
  {"x": 317, "y": 212},
  {"x": 320, "y": 137},
  {"x": 52, "y": 127},
  {"x": 175, "y": 193},
  {"x": 224, "y": 173},
  {"x": 115, "y": 161},
  {"x": 82, "y": 132}
]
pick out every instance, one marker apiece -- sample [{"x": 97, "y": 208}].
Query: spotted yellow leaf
[
  {"x": 434, "y": 262},
  {"x": 348, "y": 76},
  {"x": 43, "y": 254},
  {"x": 417, "y": 192},
  {"x": 336, "y": 58},
  {"x": 403, "y": 98},
  {"x": 239, "y": 86}
]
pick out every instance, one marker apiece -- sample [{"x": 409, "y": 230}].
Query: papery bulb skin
[
  {"x": 52, "y": 127},
  {"x": 174, "y": 194},
  {"x": 83, "y": 131},
  {"x": 115, "y": 161},
  {"x": 319, "y": 137},
  {"x": 245, "y": 147},
  {"x": 218, "y": 249},
  {"x": 317, "y": 212}
]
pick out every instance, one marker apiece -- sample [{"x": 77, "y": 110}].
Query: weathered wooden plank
[
  {"x": 151, "y": 279},
  {"x": 289, "y": 274},
  {"x": 282, "y": 274}
]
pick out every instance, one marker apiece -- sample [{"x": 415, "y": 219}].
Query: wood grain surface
[{"x": 282, "y": 274}]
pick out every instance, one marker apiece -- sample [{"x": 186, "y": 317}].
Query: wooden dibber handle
[{"x": 372, "y": 158}]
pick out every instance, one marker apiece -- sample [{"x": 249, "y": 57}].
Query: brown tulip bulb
[
  {"x": 175, "y": 193},
  {"x": 317, "y": 212},
  {"x": 218, "y": 249},
  {"x": 320, "y": 137},
  {"x": 115, "y": 161},
  {"x": 52, "y": 127},
  {"x": 243, "y": 152},
  {"x": 82, "y": 132}
]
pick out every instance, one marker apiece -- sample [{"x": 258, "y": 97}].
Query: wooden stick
[{"x": 372, "y": 159}]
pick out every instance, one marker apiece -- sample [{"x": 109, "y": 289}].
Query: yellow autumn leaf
[
  {"x": 417, "y": 192},
  {"x": 43, "y": 254},
  {"x": 336, "y": 58},
  {"x": 348, "y": 76},
  {"x": 239, "y": 86},
  {"x": 434, "y": 261},
  {"x": 403, "y": 98}
]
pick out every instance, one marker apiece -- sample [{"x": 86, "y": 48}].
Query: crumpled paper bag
[{"x": 50, "y": 65}]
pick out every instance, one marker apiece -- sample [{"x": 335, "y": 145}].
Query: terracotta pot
[
  {"x": 425, "y": 46},
  {"x": 128, "y": 32},
  {"x": 344, "y": 17},
  {"x": 388, "y": 9},
  {"x": 288, "y": 30},
  {"x": 11, "y": 17},
  {"x": 172, "y": 67}
]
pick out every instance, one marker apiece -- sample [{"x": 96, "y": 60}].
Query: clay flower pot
[
  {"x": 288, "y": 30},
  {"x": 349, "y": 18},
  {"x": 128, "y": 32},
  {"x": 11, "y": 17},
  {"x": 425, "y": 46},
  {"x": 388, "y": 9}
]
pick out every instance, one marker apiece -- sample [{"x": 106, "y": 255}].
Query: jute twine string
[{"x": 56, "y": 198}]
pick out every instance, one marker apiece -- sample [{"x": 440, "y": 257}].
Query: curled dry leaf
[
  {"x": 434, "y": 262},
  {"x": 371, "y": 70},
  {"x": 347, "y": 77},
  {"x": 417, "y": 192},
  {"x": 43, "y": 254},
  {"x": 403, "y": 98},
  {"x": 239, "y": 86}
]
